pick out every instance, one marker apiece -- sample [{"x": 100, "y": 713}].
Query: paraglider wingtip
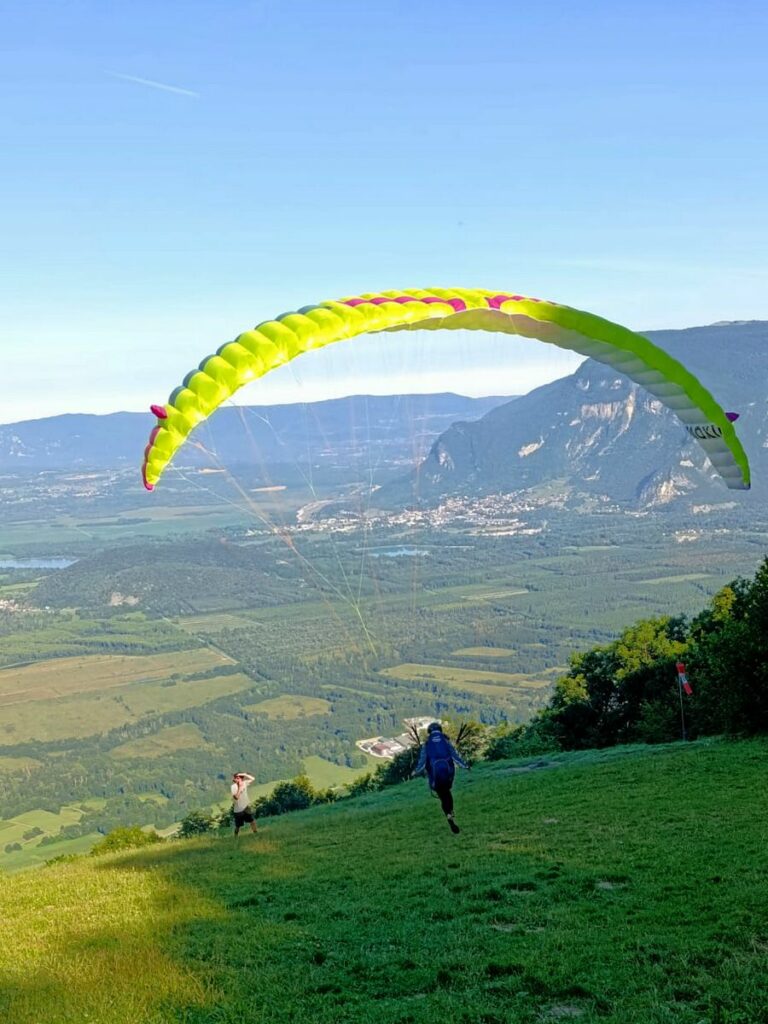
[
  {"x": 148, "y": 486},
  {"x": 159, "y": 411},
  {"x": 732, "y": 416}
]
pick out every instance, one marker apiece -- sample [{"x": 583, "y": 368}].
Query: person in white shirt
[{"x": 241, "y": 805}]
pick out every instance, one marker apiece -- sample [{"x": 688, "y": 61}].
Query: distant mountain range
[
  {"x": 598, "y": 437},
  {"x": 602, "y": 437},
  {"x": 339, "y": 429}
]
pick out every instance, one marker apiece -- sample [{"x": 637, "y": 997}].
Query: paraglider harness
[{"x": 440, "y": 769}]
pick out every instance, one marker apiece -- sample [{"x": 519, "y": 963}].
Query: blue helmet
[{"x": 434, "y": 727}]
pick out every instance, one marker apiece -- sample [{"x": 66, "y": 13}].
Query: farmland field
[
  {"x": 484, "y": 652},
  {"x": 324, "y": 774},
  {"x": 19, "y": 764},
  {"x": 65, "y": 677},
  {"x": 167, "y": 741},
  {"x": 474, "y": 680},
  {"x": 33, "y": 855},
  {"x": 97, "y": 713},
  {"x": 681, "y": 578},
  {"x": 214, "y": 623},
  {"x": 303, "y": 647},
  {"x": 290, "y": 707},
  {"x": 42, "y": 823}
]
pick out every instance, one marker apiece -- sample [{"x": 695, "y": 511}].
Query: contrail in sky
[{"x": 154, "y": 85}]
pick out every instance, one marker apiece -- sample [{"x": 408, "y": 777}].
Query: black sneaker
[{"x": 453, "y": 826}]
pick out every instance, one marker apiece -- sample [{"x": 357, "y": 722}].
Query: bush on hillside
[
  {"x": 226, "y": 819},
  {"x": 521, "y": 741},
  {"x": 197, "y": 823},
  {"x": 64, "y": 858},
  {"x": 364, "y": 784},
  {"x": 296, "y": 795},
  {"x": 128, "y": 838}
]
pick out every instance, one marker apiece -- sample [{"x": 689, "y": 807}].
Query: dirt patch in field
[
  {"x": 533, "y": 766},
  {"x": 562, "y": 1011}
]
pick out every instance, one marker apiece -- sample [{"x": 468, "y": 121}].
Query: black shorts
[{"x": 242, "y": 816}]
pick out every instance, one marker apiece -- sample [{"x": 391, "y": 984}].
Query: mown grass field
[
  {"x": 16, "y": 764},
  {"x": 497, "y": 684},
  {"x": 290, "y": 706},
  {"x": 64, "y": 677},
  {"x": 685, "y": 577},
  {"x": 611, "y": 887},
  {"x": 13, "y": 830},
  {"x": 32, "y": 855},
  {"x": 119, "y": 703},
  {"x": 484, "y": 652},
  {"x": 325, "y": 774},
  {"x": 186, "y": 736}
]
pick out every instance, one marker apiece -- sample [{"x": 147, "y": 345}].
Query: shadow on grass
[
  {"x": 323, "y": 918},
  {"x": 609, "y": 893}
]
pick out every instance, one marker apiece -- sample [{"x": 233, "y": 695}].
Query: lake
[
  {"x": 36, "y": 563},
  {"x": 396, "y": 552}
]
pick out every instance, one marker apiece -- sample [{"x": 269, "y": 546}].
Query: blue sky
[{"x": 608, "y": 155}]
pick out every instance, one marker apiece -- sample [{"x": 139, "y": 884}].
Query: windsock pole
[{"x": 684, "y": 687}]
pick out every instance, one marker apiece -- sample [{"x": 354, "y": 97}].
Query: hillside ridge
[{"x": 623, "y": 885}]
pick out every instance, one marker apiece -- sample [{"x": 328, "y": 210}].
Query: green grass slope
[{"x": 622, "y": 886}]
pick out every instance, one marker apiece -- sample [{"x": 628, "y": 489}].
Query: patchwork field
[
  {"x": 19, "y": 764},
  {"x": 496, "y": 684},
  {"x": 290, "y": 706},
  {"x": 20, "y": 828},
  {"x": 348, "y": 624},
  {"x": 65, "y": 677},
  {"x": 214, "y": 623},
  {"x": 686, "y": 577},
  {"x": 97, "y": 713},
  {"x": 167, "y": 741},
  {"x": 484, "y": 652},
  {"x": 33, "y": 855},
  {"x": 324, "y": 774}
]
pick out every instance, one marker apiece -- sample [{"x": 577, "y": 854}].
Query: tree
[
  {"x": 609, "y": 691},
  {"x": 522, "y": 740},
  {"x": 469, "y": 736},
  {"x": 398, "y": 769},
  {"x": 364, "y": 784},
  {"x": 729, "y": 659}
]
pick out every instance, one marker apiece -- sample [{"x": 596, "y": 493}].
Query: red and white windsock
[{"x": 682, "y": 677}]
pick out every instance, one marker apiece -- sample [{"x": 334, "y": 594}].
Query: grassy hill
[{"x": 628, "y": 885}]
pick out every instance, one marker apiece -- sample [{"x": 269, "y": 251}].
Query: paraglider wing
[{"x": 275, "y": 342}]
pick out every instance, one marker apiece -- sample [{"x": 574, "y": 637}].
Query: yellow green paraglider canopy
[{"x": 275, "y": 342}]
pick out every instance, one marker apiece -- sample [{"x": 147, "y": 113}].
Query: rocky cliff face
[{"x": 605, "y": 438}]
